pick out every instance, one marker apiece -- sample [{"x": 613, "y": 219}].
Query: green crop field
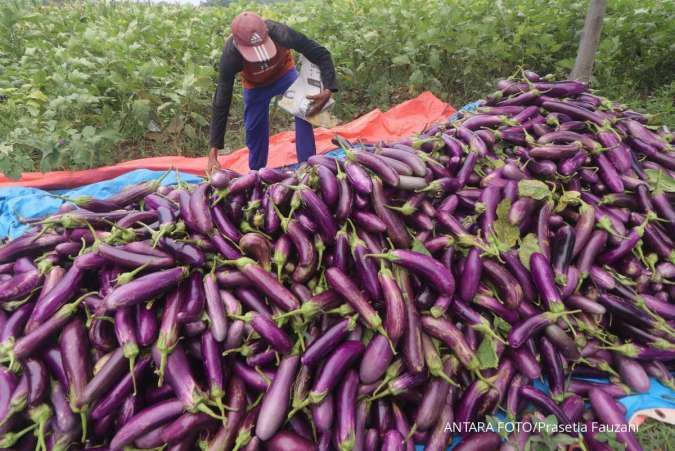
[{"x": 84, "y": 84}]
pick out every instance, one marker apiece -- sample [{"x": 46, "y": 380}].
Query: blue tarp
[{"x": 16, "y": 203}]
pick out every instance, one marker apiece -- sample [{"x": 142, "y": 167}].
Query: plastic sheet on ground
[{"x": 17, "y": 203}]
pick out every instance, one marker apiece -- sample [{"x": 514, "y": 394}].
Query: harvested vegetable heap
[{"x": 358, "y": 304}]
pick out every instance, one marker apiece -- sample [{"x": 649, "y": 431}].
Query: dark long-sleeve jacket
[{"x": 231, "y": 63}]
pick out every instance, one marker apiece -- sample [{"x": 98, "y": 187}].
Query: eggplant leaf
[
  {"x": 504, "y": 235},
  {"x": 418, "y": 246},
  {"x": 567, "y": 198},
  {"x": 487, "y": 353},
  {"x": 501, "y": 326},
  {"x": 528, "y": 246},
  {"x": 535, "y": 189},
  {"x": 659, "y": 181}
]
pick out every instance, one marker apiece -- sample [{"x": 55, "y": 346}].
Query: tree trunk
[{"x": 590, "y": 38}]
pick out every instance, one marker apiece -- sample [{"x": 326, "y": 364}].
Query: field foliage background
[{"x": 84, "y": 84}]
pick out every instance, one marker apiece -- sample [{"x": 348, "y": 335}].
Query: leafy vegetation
[
  {"x": 656, "y": 436},
  {"x": 91, "y": 83}
]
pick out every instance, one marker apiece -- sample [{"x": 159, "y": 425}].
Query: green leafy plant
[{"x": 85, "y": 84}]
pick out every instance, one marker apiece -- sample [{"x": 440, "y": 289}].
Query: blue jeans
[{"x": 257, "y": 122}]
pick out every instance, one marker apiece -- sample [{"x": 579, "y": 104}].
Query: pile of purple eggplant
[{"x": 404, "y": 295}]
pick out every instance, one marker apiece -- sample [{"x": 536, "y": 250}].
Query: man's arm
[
  {"x": 317, "y": 54},
  {"x": 230, "y": 64}
]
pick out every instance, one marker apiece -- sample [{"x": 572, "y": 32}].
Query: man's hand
[
  {"x": 213, "y": 163},
  {"x": 319, "y": 101}
]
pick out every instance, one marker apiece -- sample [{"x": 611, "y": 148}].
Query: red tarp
[{"x": 401, "y": 121}]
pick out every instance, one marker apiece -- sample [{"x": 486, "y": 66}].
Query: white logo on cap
[{"x": 256, "y": 39}]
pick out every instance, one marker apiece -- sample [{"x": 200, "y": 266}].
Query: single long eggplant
[
  {"x": 541, "y": 400},
  {"x": 104, "y": 379},
  {"x": 29, "y": 244},
  {"x": 609, "y": 413},
  {"x": 329, "y": 184},
  {"x": 562, "y": 249},
  {"x": 184, "y": 252},
  {"x": 73, "y": 344},
  {"x": 507, "y": 284},
  {"x": 433, "y": 271},
  {"x": 236, "y": 395},
  {"x": 445, "y": 331},
  {"x": 440, "y": 435},
  {"x": 376, "y": 359},
  {"x": 148, "y": 327},
  {"x": 179, "y": 375},
  {"x": 334, "y": 368},
  {"x": 341, "y": 283},
  {"x": 21, "y": 285},
  {"x": 133, "y": 260},
  {"x": 147, "y": 419},
  {"x": 375, "y": 164},
  {"x": 395, "y": 318},
  {"x": 544, "y": 279},
  {"x": 64, "y": 417},
  {"x": 144, "y": 288},
  {"x": 213, "y": 366},
  {"x": 64, "y": 290},
  {"x": 268, "y": 284},
  {"x": 396, "y": 229},
  {"x": 215, "y": 308},
  {"x": 183, "y": 426},
  {"x": 327, "y": 342},
  {"x": 307, "y": 258},
  {"x": 276, "y": 400},
  {"x": 289, "y": 441}
]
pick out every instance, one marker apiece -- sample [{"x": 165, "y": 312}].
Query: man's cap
[{"x": 249, "y": 32}]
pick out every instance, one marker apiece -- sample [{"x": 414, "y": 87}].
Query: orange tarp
[{"x": 403, "y": 120}]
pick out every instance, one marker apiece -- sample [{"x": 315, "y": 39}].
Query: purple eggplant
[
  {"x": 64, "y": 290},
  {"x": 341, "y": 283},
  {"x": 268, "y": 284},
  {"x": 632, "y": 373},
  {"x": 213, "y": 366},
  {"x": 147, "y": 419},
  {"x": 132, "y": 260},
  {"x": 394, "y": 322},
  {"x": 114, "y": 398},
  {"x": 507, "y": 284},
  {"x": 544, "y": 280},
  {"x": 479, "y": 440},
  {"x": 276, "y": 400},
  {"x": 609, "y": 413},
  {"x": 74, "y": 351},
  {"x": 445, "y": 331},
  {"x": 289, "y": 441},
  {"x": 323, "y": 345},
  {"x": 148, "y": 326},
  {"x": 144, "y": 288},
  {"x": 215, "y": 308},
  {"x": 433, "y": 271},
  {"x": 376, "y": 359},
  {"x": 541, "y": 400},
  {"x": 334, "y": 368},
  {"x": 184, "y": 252},
  {"x": 440, "y": 435},
  {"x": 396, "y": 229}
]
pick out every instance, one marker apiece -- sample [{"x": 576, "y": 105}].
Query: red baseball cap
[{"x": 249, "y": 32}]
